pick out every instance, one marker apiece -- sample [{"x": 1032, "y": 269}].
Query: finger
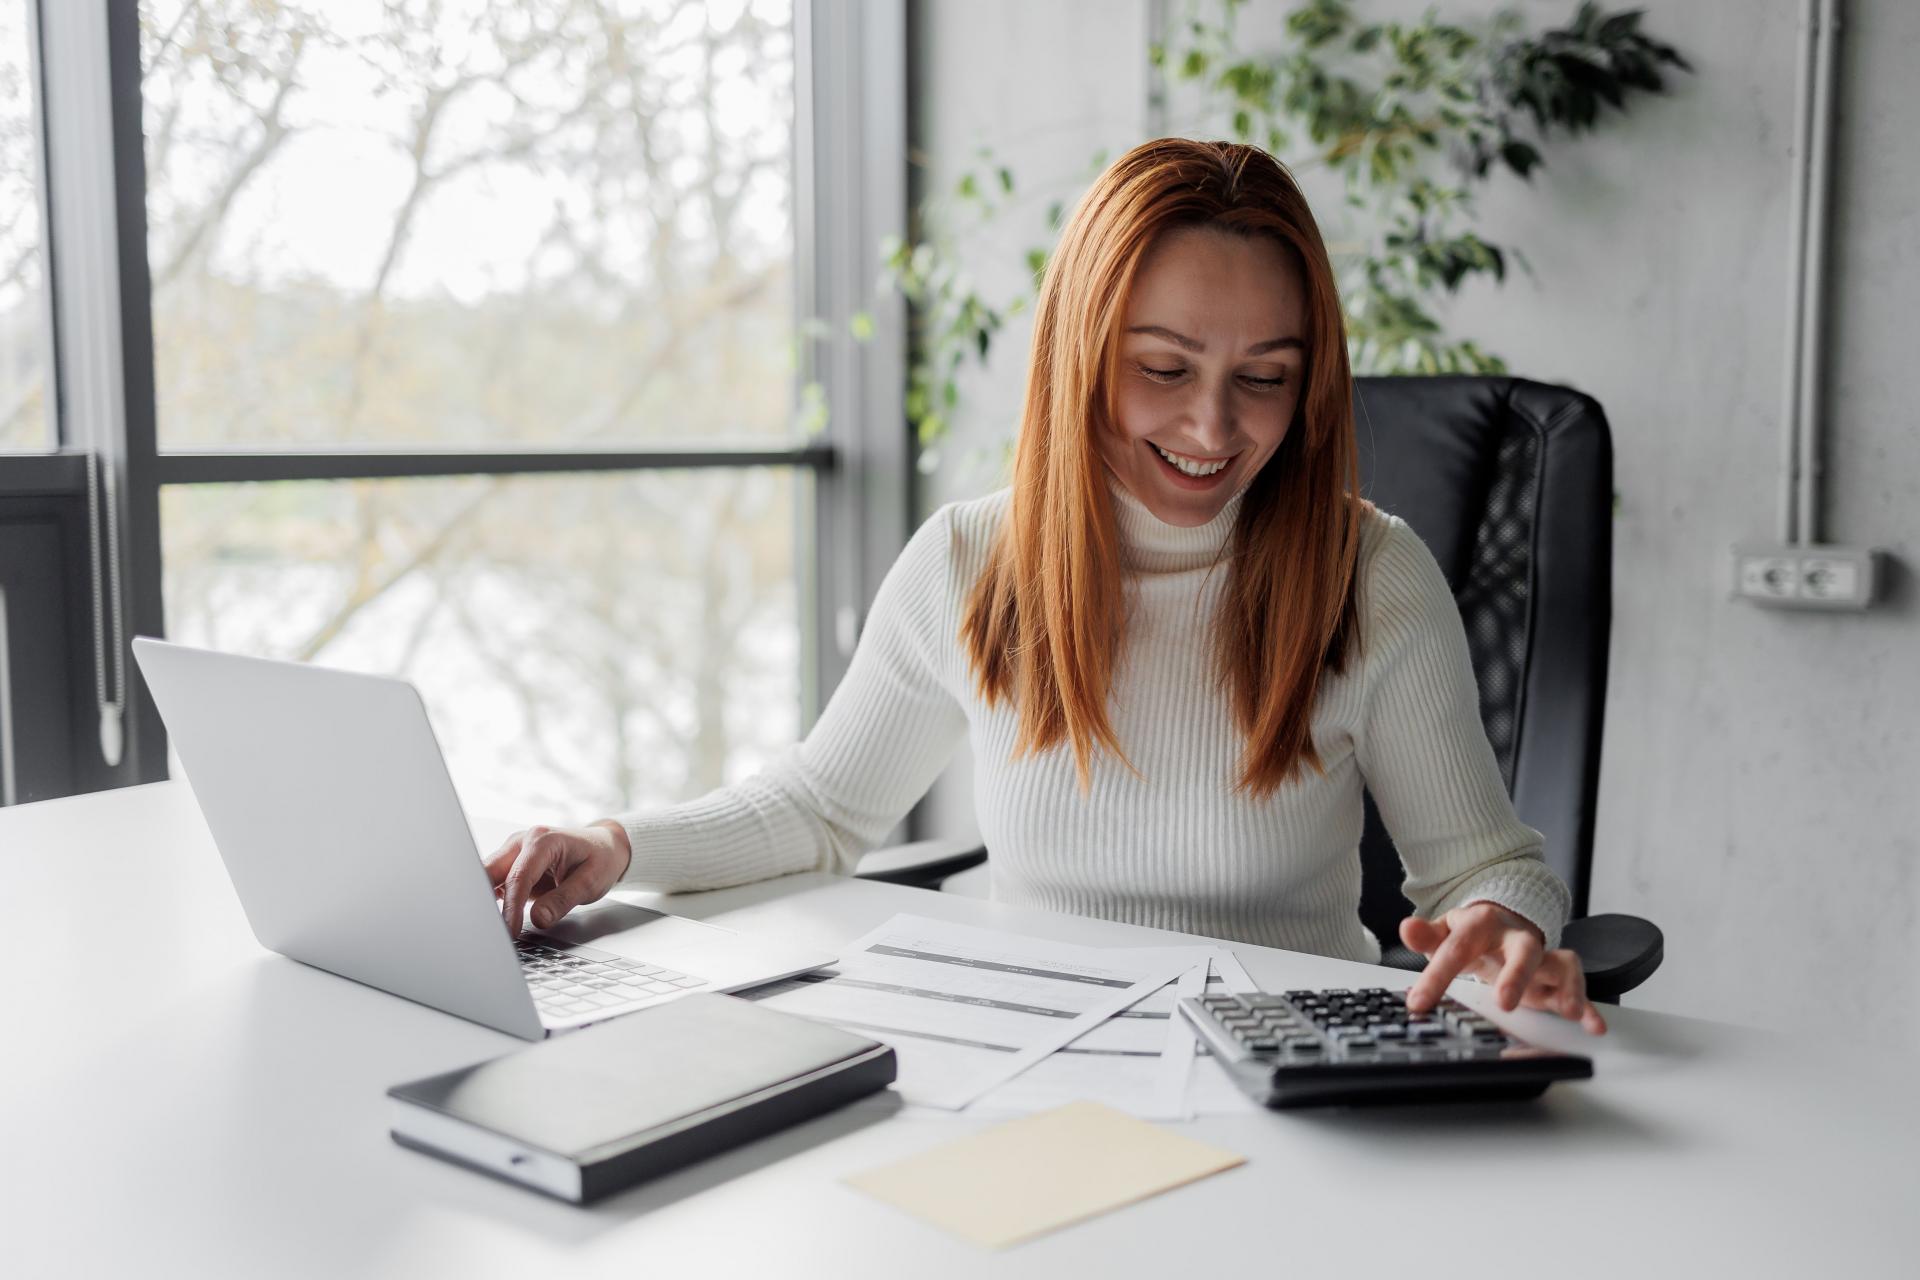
[
  {"x": 1523, "y": 958},
  {"x": 1423, "y": 935},
  {"x": 536, "y": 851},
  {"x": 1456, "y": 953},
  {"x": 500, "y": 861},
  {"x": 575, "y": 889},
  {"x": 1577, "y": 1008},
  {"x": 1559, "y": 987}
]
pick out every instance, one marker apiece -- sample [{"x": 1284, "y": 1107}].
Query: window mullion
[
  {"x": 245, "y": 466},
  {"x": 96, "y": 234},
  {"x": 850, "y": 193}
]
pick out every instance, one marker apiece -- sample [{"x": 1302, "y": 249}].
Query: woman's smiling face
[{"x": 1212, "y": 358}]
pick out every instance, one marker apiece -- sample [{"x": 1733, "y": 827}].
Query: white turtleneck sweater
[{"x": 1176, "y": 847}]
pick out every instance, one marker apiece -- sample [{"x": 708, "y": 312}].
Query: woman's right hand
[{"x": 558, "y": 869}]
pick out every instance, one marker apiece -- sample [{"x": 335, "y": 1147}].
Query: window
[
  {"x": 25, "y": 420},
  {"x": 461, "y": 223},
  {"x": 584, "y": 644},
  {"x": 459, "y": 339},
  {"x": 469, "y": 222}
]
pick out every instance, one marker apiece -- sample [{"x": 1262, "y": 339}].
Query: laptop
[{"x": 331, "y": 806}]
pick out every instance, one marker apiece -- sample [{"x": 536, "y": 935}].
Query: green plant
[
  {"x": 1414, "y": 116},
  {"x": 951, "y": 319}
]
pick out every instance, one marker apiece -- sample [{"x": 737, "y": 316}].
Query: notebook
[{"x": 583, "y": 1115}]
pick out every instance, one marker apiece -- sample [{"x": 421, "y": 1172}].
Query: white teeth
[{"x": 1187, "y": 466}]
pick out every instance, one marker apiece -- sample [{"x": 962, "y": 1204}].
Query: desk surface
[{"x": 225, "y": 1115}]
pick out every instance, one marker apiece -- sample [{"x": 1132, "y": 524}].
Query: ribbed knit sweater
[{"x": 1175, "y": 847}]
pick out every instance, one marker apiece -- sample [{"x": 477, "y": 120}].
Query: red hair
[{"x": 1045, "y": 621}]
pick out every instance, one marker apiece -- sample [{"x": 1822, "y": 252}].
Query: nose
[{"x": 1212, "y": 424}]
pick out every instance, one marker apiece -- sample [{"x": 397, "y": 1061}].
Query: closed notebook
[{"x": 595, "y": 1110}]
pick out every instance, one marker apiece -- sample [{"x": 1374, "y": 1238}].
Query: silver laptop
[{"x": 331, "y": 806}]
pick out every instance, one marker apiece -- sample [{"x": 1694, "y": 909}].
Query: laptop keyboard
[{"x": 569, "y": 981}]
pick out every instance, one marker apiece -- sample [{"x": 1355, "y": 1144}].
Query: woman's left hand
[{"x": 1504, "y": 949}]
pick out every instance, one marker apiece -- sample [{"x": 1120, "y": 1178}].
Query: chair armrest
[
  {"x": 922, "y": 864},
  {"x": 1618, "y": 952}
]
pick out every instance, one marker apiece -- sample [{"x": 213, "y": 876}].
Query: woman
[{"x": 1179, "y": 644}]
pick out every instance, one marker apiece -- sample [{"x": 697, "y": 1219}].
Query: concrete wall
[{"x": 1761, "y": 777}]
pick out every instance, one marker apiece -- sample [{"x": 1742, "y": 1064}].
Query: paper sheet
[
  {"x": 1033, "y": 1175},
  {"x": 1138, "y": 1061},
  {"x": 967, "y": 1008},
  {"x": 1210, "y": 1090}
]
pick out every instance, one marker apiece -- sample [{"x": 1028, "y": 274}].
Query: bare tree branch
[{"x": 273, "y": 131}]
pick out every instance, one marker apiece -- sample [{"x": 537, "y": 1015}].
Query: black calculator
[{"x": 1312, "y": 1048}]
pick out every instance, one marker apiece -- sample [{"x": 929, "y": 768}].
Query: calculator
[{"x": 1312, "y": 1048}]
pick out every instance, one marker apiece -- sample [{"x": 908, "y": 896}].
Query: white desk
[{"x": 224, "y": 1116}]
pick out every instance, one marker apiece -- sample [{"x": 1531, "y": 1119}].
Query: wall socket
[{"x": 1811, "y": 577}]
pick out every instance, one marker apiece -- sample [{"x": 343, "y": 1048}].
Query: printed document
[
  {"x": 966, "y": 1008},
  {"x": 1138, "y": 1061}
]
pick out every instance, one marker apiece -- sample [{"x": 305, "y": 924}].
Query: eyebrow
[{"x": 1257, "y": 349}]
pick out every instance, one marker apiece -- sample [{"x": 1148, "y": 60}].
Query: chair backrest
[{"x": 1510, "y": 484}]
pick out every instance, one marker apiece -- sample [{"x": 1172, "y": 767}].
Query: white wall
[
  {"x": 1046, "y": 86},
  {"x": 1760, "y": 787}
]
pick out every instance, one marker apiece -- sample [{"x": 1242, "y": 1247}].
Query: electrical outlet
[
  {"x": 1810, "y": 577},
  {"x": 1824, "y": 578},
  {"x": 1766, "y": 575}
]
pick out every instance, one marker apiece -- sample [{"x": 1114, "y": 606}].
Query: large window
[
  {"x": 585, "y": 644},
  {"x": 461, "y": 340},
  {"x": 470, "y": 222},
  {"x": 24, "y": 419}
]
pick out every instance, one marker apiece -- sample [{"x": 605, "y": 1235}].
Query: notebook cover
[{"x": 660, "y": 1088}]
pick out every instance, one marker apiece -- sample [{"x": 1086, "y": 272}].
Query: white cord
[
  {"x": 112, "y": 734},
  {"x": 8, "y": 774}
]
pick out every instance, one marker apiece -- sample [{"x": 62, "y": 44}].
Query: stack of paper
[{"x": 999, "y": 1023}]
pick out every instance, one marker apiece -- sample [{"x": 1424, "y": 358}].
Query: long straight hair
[{"x": 1045, "y": 622}]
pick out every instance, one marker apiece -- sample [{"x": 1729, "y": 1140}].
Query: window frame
[{"x": 849, "y": 155}]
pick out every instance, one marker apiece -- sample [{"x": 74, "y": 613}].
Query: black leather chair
[{"x": 1510, "y": 483}]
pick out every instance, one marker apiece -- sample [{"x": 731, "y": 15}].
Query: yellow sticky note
[{"x": 1033, "y": 1175}]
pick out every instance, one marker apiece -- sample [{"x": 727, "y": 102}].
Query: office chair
[{"x": 1510, "y": 484}]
